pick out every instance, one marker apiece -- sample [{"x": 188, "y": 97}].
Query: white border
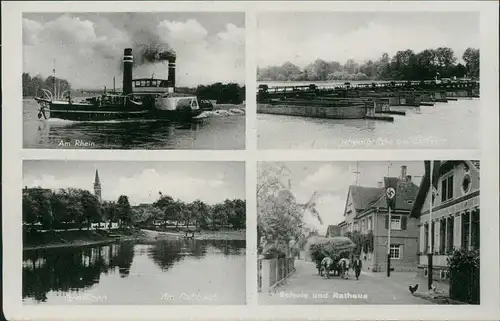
[{"x": 13, "y": 154}]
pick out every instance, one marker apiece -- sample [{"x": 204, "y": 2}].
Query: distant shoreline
[{"x": 143, "y": 234}]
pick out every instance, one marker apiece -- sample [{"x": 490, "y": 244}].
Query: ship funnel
[
  {"x": 128, "y": 61},
  {"x": 171, "y": 71}
]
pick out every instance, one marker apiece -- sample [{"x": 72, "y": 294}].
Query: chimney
[
  {"x": 380, "y": 185},
  {"x": 128, "y": 61},
  {"x": 171, "y": 71},
  {"x": 403, "y": 172},
  {"x": 408, "y": 178}
]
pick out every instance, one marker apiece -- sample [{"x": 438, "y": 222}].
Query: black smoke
[{"x": 152, "y": 53}]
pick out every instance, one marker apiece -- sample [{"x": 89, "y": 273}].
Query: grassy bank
[{"x": 38, "y": 240}]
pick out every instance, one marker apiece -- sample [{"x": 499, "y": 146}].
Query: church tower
[{"x": 97, "y": 187}]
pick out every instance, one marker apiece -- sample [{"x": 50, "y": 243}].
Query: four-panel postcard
[{"x": 246, "y": 160}]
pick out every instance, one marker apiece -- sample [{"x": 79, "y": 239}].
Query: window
[
  {"x": 395, "y": 251},
  {"x": 465, "y": 230},
  {"x": 395, "y": 222},
  {"x": 143, "y": 83},
  {"x": 154, "y": 83},
  {"x": 474, "y": 238},
  {"x": 442, "y": 236},
  {"x": 450, "y": 237},
  {"x": 466, "y": 183},
  {"x": 426, "y": 238},
  {"x": 447, "y": 188}
]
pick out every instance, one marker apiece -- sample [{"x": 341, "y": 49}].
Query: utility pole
[
  {"x": 431, "y": 228},
  {"x": 357, "y": 173}
]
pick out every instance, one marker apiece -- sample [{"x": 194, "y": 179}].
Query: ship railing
[{"x": 48, "y": 94}]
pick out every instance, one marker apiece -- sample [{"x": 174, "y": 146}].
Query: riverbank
[
  {"x": 202, "y": 235},
  {"x": 49, "y": 240}
]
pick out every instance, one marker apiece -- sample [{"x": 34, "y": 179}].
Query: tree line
[
  {"x": 32, "y": 86},
  {"x": 78, "y": 208},
  {"x": 169, "y": 211},
  {"x": 404, "y": 65},
  {"x": 231, "y": 93}
]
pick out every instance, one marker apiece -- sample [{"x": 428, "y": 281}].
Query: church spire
[{"x": 97, "y": 186}]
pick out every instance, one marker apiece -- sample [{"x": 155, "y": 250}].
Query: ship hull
[{"x": 83, "y": 112}]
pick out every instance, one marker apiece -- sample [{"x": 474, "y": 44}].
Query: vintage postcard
[
  {"x": 134, "y": 80},
  {"x": 250, "y": 160}
]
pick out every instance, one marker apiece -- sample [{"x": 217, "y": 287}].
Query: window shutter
[
  {"x": 387, "y": 222},
  {"x": 403, "y": 222},
  {"x": 400, "y": 251}
]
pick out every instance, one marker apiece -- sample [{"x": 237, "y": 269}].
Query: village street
[{"x": 305, "y": 286}]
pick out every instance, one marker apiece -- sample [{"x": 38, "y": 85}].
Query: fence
[
  {"x": 465, "y": 285},
  {"x": 273, "y": 271}
]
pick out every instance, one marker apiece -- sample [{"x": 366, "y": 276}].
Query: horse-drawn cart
[{"x": 336, "y": 248}]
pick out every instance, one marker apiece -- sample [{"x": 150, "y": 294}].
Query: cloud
[
  {"x": 331, "y": 183},
  {"x": 305, "y": 42},
  {"x": 144, "y": 187},
  {"x": 88, "y": 51}
]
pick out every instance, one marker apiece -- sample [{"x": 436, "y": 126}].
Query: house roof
[
  {"x": 367, "y": 197},
  {"x": 440, "y": 167},
  {"x": 405, "y": 191},
  {"x": 362, "y": 196}
]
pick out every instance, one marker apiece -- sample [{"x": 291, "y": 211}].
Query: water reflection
[{"x": 52, "y": 273}]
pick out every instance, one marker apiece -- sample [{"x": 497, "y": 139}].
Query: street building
[
  {"x": 366, "y": 212},
  {"x": 454, "y": 218}
]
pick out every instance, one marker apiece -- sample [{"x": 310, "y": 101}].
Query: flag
[{"x": 391, "y": 187}]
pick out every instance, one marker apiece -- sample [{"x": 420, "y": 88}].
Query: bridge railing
[{"x": 272, "y": 272}]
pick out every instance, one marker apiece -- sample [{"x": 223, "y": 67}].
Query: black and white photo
[
  {"x": 369, "y": 232},
  {"x": 134, "y": 80},
  {"x": 356, "y": 80},
  {"x": 155, "y": 233}
]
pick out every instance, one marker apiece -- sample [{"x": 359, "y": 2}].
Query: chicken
[{"x": 413, "y": 288}]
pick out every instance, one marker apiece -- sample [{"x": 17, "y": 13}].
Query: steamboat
[{"x": 144, "y": 98}]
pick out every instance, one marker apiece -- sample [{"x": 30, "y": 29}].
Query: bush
[
  {"x": 274, "y": 252},
  {"x": 464, "y": 267}
]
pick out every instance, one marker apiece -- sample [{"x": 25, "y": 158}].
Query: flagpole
[
  {"x": 389, "y": 245},
  {"x": 431, "y": 225}
]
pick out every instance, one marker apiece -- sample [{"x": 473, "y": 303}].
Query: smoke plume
[{"x": 153, "y": 52}]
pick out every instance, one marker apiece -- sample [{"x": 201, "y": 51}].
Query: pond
[{"x": 174, "y": 272}]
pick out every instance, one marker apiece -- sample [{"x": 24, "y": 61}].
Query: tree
[
  {"x": 123, "y": 210},
  {"x": 471, "y": 58},
  {"x": 445, "y": 60},
  {"x": 91, "y": 208},
  {"x": 109, "y": 212},
  {"x": 280, "y": 219}
]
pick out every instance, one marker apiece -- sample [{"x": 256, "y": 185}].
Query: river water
[
  {"x": 217, "y": 132},
  {"x": 179, "y": 272},
  {"x": 452, "y": 125}
]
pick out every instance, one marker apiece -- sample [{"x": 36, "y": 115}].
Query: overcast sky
[
  {"x": 303, "y": 37},
  {"x": 88, "y": 47},
  {"x": 211, "y": 182},
  {"x": 332, "y": 180}
]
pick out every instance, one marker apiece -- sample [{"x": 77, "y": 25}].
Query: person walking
[{"x": 357, "y": 265}]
